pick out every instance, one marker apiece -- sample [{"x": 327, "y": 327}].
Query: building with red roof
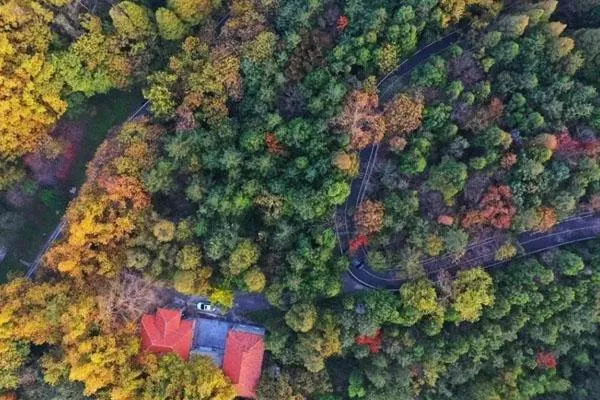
[
  {"x": 243, "y": 358},
  {"x": 237, "y": 348},
  {"x": 166, "y": 332}
]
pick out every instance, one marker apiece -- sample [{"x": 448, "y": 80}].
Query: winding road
[
  {"x": 361, "y": 276},
  {"x": 579, "y": 228}
]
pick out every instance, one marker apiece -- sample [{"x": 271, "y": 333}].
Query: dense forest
[{"x": 257, "y": 122}]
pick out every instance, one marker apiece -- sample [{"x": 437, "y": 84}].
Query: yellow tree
[
  {"x": 28, "y": 313},
  {"x": 171, "y": 378},
  {"x": 31, "y": 312},
  {"x": 362, "y": 119},
  {"x": 472, "y": 290},
  {"x": 106, "y": 361},
  {"x": 193, "y": 11},
  {"x": 403, "y": 115},
  {"x": 101, "y": 357},
  {"x": 30, "y": 101},
  {"x": 110, "y": 206},
  {"x": 96, "y": 62}
]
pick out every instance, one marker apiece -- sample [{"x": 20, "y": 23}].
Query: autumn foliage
[
  {"x": 362, "y": 119},
  {"x": 496, "y": 209},
  {"x": 110, "y": 206},
  {"x": 568, "y": 145},
  {"x": 547, "y": 218},
  {"x": 348, "y": 163},
  {"x": 273, "y": 145},
  {"x": 342, "y": 23},
  {"x": 199, "y": 80},
  {"x": 369, "y": 217},
  {"x": 357, "y": 242},
  {"x": 508, "y": 160},
  {"x": 30, "y": 101},
  {"x": 373, "y": 342},
  {"x": 485, "y": 116},
  {"x": 546, "y": 360},
  {"x": 403, "y": 115},
  {"x": 125, "y": 299},
  {"x": 547, "y": 140}
]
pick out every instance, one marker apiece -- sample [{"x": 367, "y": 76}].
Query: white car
[{"x": 206, "y": 307}]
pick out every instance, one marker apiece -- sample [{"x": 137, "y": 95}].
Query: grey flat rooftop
[
  {"x": 248, "y": 328},
  {"x": 211, "y": 333},
  {"x": 210, "y": 336}
]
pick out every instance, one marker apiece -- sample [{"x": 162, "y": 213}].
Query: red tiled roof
[
  {"x": 242, "y": 361},
  {"x": 166, "y": 332}
]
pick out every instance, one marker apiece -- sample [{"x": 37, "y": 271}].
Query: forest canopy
[{"x": 446, "y": 150}]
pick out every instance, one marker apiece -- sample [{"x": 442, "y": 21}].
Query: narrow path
[{"x": 57, "y": 232}]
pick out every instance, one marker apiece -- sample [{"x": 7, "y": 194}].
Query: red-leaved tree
[
  {"x": 374, "y": 342},
  {"x": 273, "y": 145},
  {"x": 546, "y": 360},
  {"x": 357, "y": 242},
  {"x": 567, "y": 144},
  {"x": 342, "y": 23},
  {"x": 496, "y": 208}
]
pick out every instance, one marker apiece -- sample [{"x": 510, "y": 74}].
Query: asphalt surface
[
  {"x": 388, "y": 85},
  {"x": 359, "y": 275}
]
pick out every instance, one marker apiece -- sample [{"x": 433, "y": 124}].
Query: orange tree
[{"x": 110, "y": 205}]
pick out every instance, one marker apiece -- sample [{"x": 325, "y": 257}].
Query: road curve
[
  {"x": 570, "y": 231},
  {"x": 360, "y": 276},
  {"x": 368, "y": 156}
]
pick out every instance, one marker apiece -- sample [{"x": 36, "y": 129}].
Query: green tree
[
  {"x": 472, "y": 289},
  {"x": 255, "y": 280},
  {"x": 301, "y": 317},
  {"x": 12, "y": 357},
  {"x": 569, "y": 264},
  {"x": 170, "y": 27},
  {"x": 131, "y": 20},
  {"x": 448, "y": 177},
  {"x": 588, "y": 42},
  {"x": 189, "y": 257},
  {"x": 245, "y": 254},
  {"x": 419, "y": 298}
]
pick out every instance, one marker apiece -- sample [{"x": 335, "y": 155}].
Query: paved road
[
  {"x": 388, "y": 86},
  {"x": 573, "y": 230},
  {"x": 368, "y": 156}
]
